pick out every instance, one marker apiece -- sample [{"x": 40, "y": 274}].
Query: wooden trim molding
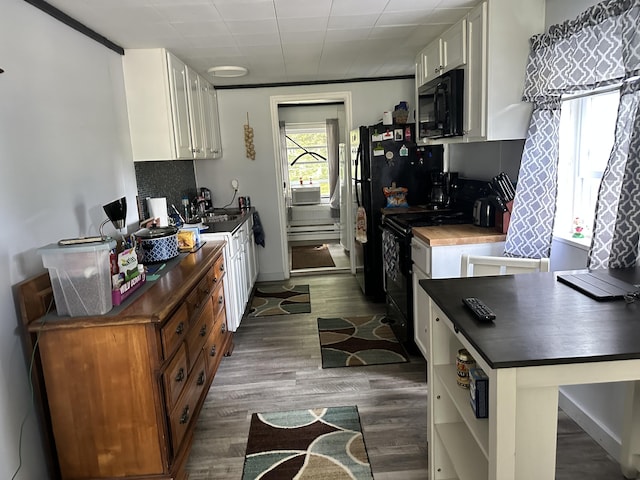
[{"x": 76, "y": 25}]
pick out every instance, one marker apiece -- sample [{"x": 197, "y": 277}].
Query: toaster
[{"x": 484, "y": 212}]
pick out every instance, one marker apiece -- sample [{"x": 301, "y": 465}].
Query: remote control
[{"x": 479, "y": 309}]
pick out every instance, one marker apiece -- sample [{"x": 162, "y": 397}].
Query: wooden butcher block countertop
[{"x": 457, "y": 235}]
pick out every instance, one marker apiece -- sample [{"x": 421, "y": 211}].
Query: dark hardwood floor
[{"x": 276, "y": 366}]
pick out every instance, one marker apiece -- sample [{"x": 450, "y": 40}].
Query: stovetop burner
[{"x": 405, "y": 222}]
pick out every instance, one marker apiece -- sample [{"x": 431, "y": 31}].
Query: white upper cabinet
[
  {"x": 179, "y": 111},
  {"x": 169, "y": 108},
  {"x": 431, "y": 61},
  {"x": 196, "y": 113},
  {"x": 499, "y": 33},
  {"x": 447, "y": 52},
  {"x": 211, "y": 123},
  {"x": 491, "y": 44},
  {"x": 454, "y": 46}
]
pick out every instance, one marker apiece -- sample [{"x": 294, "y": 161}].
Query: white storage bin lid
[{"x": 107, "y": 244}]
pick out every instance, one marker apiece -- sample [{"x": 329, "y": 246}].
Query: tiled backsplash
[{"x": 170, "y": 179}]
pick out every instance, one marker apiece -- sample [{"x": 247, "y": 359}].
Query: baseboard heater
[{"x": 313, "y": 232}]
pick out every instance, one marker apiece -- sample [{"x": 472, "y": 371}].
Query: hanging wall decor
[{"x": 248, "y": 140}]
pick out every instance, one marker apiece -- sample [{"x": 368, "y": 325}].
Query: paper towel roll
[{"x": 158, "y": 209}]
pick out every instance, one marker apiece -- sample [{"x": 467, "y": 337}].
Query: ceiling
[{"x": 278, "y": 41}]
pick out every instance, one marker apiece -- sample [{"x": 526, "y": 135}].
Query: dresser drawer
[
  {"x": 174, "y": 331},
  {"x": 175, "y": 376},
  {"x": 185, "y": 409},
  {"x": 198, "y": 297},
  {"x": 218, "y": 300},
  {"x": 217, "y": 271},
  {"x": 199, "y": 332},
  {"x": 214, "y": 347}
]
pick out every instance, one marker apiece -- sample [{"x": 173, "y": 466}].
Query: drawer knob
[
  {"x": 203, "y": 331},
  {"x": 215, "y": 279},
  {"x": 212, "y": 352},
  {"x": 222, "y": 267},
  {"x": 184, "y": 418},
  {"x": 180, "y": 375},
  {"x": 437, "y": 319},
  {"x": 223, "y": 329},
  {"x": 201, "y": 378},
  {"x": 220, "y": 300},
  {"x": 180, "y": 328}
]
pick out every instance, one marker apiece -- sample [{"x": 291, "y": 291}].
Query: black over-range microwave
[{"x": 440, "y": 106}]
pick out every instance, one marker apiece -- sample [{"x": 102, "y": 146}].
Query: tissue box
[{"x": 479, "y": 392}]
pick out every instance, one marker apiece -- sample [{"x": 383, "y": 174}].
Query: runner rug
[
  {"x": 311, "y": 256},
  {"x": 322, "y": 444},
  {"x": 280, "y": 300},
  {"x": 355, "y": 341}
]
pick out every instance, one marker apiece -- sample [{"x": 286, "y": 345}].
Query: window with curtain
[
  {"x": 599, "y": 48},
  {"x": 587, "y": 128}
]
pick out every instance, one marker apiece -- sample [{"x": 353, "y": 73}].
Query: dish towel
[
  {"x": 258, "y": 232},
  {"x": 361, "y": 225}
]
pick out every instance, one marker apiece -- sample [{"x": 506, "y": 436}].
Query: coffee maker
[
  {"x": 451, "y": 187},
  {"x": 205, "y": 194},
  {"x": 437, "y": 197},
  {"x": 444, "y": 189}
]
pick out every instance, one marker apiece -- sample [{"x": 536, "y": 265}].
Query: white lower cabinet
[
  {"x": 242, "y": 269},
  {"x": 438, "y": 262}
]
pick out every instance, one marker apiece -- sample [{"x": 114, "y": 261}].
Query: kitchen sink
[
  {"x": 225, "y": 211},
  {"x": 219, "y": 217}
]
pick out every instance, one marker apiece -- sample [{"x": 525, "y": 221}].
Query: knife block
[{"x": 503, "y": 218}]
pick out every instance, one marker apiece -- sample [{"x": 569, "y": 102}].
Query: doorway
[{"x": 310, "y": 134}]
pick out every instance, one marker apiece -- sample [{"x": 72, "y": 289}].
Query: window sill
[{"x": 581, "y": 243}]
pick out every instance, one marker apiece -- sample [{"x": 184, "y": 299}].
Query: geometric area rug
[
  {"x": 280, "y": 300},
  {"x": 355, "y": 341},
  {"x": 316, "y": 444}
]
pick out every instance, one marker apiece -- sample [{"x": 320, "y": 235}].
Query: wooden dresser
[{"x": 120, "y": 393}]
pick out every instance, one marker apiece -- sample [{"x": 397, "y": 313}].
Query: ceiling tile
[
  {"x": 302, "y": 25},
  {"x": 246, "y": 11},
  {"x": 298, "y": 9},
  {"x": 358, "y": 7},
  {"x": 349, "y": 22}
]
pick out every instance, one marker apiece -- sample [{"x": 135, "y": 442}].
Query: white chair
[{"x": 480, "y": 266}]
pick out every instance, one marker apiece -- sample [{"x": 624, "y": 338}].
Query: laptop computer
[{"x": 598, "y": 285}]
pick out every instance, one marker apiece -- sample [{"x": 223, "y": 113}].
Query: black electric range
[{"x": 397, "y": 264}]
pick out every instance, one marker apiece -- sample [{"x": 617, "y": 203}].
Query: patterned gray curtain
[
  {"x": 333, "y": 142},
  {"x": 534, "y": 206},
  {"x": 284, "y": 166},
  {"x": 617, "y": 223},
  {"x": 600, "y": 47}
]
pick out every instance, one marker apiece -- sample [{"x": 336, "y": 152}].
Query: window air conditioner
[{"x": 307, "y": 195}]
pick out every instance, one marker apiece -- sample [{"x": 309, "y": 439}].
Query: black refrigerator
[{"x": 380, "y": 156}]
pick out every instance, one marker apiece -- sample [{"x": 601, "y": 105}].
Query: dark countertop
[{"x": 540, "y": 321}]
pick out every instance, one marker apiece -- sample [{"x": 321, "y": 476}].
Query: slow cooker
[{"x": 157, "y": 244}]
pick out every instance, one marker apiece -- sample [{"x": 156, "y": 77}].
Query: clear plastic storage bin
[{"x": 80, "y": 277}]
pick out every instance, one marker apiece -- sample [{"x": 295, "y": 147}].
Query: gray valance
[{"x": 600, "y": 47}]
